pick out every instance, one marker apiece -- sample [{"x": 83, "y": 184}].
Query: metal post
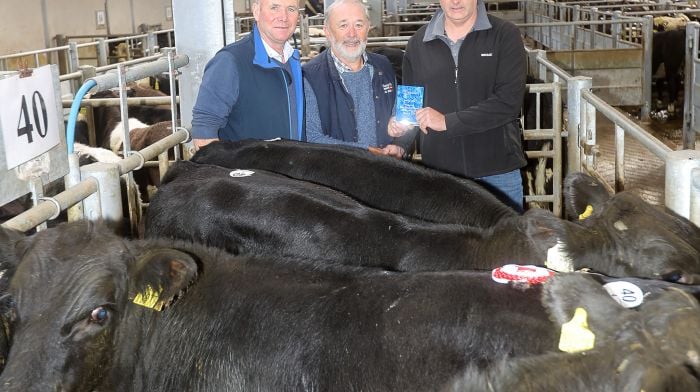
[
  {"x": 619, "y": 158},
  {"x": 73, "y": 64},
  {"x": 594, "y": 17},
  {"x": 71, "y": 179},
  {"x": 616, "y": 29},
  {"x": 588, "y": 136},
  {"x": 36, "y": 187},
  {"x": 107, "y": 202},
  {"x": 173, "y": 96},
  {"x": 102, "y": 54},
  {"x": 691, "y": 51},
  {"x": 305, "y": 39},
  {"x": 695, "y": 196},
  {"x": 152, "y": 43},
  {"x": 573, "y": 99},
  {"x": 679, "y": 165},
  {"x": 646, "y": 70},
  {"x": 134, "y": 205}
]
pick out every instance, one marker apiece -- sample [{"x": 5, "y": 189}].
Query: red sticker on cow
[{"x": 521, "y": 274}]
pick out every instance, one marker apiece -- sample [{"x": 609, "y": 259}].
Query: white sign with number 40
[{"x": 28, "y": 117}]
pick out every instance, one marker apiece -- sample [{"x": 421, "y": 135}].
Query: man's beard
[{"x": 346, "y": 53}]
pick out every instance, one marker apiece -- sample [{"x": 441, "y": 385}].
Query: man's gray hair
[{"x": 327, "y": 11}]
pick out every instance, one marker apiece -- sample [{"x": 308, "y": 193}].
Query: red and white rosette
[{"x": 515, "y": 273}]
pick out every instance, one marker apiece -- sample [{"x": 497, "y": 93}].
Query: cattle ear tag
[
  {"x": 627, "y": 294},
  {"x": 588, "y": 212},
  {"x": 241, "y": 173},
  {"x": 149, "y": 298},
  {"x": 575, "y": 335}
]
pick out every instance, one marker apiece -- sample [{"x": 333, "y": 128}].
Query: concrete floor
[{"x": 644, "y": 172}]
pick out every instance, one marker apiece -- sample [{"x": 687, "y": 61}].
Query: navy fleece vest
[
  {"x": 335, "y": 106},
  {"x": 262, "y": 109}
]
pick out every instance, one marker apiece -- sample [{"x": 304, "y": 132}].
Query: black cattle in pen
[
  {"x": 257, "y": 212},
  {"x": 429, "y": 195},
  {"x": 242, "y": 324},
  {"x": 669, "y": 49},
  {"x": 378, "y": 181}
]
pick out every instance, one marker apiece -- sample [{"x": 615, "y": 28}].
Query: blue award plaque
[{"x": 408, "y": 100}]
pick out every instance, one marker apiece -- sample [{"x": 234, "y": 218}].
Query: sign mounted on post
[
  {"x": 32, "y": 134},
  {"x": 28, "y": 116}
]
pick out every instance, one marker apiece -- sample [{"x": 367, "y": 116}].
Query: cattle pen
[{"x": 133, "y": 259}]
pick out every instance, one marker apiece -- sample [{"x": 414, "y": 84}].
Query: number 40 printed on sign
[{"x": 28, "y": 116}]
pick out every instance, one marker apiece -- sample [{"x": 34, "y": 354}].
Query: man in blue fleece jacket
[{"x": 253, "y": 87}]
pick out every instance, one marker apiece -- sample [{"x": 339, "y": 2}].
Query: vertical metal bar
[
  {"x": 691, "y": 50},
  {"x": 646, "y": 67},
  {"x": 616, "y": 29},
  {"x": 134, "y": 205},
  {"x": 557, "y": 148},
  {"x": 36, "y": 187},
  {"x": 73, "y": 64},
  {"x": 619, "y": 158},
  {"x": 173, "y": 98},
  {"x": 574, "y": 109},
  {"x": 590, "y": 135},
  {"x": 71, "y": 179},
  {"x": 102, "y": 50}
]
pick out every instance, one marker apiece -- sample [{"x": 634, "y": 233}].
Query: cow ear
[
  {"x": 565, "y": 292},
  {"x": 159, "y": 276},
  {"x": 584, "y": 195}
]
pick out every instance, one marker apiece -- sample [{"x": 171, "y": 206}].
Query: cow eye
[{"x": 99, "y": 315}]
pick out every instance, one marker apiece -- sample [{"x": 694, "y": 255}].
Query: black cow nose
[{"x": 674, "y": 276}]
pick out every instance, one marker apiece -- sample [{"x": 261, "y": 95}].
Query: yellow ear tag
[
  {"x": 587, "y": 213},
  {"x": 83, "y": 111},
  {"x": 156, "y": 85},
  {"x": 575, "y": 335},
  {"x": 149, "y": 299}
]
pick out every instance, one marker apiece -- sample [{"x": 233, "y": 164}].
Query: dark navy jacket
[
  {"x": 335, "y": 106},
  {"x": 262, "y": 105}
]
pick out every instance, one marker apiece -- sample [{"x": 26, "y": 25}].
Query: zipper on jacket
[
  {"x": 289, "y": 103},
  {"x": 456, "y": 68}
]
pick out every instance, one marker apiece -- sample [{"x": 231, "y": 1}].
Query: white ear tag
[
  {"x": 241, "y": 173},
  {"x": 627, "y": 294}
]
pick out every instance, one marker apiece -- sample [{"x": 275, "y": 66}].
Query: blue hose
[{"x": 73, "y": 115}]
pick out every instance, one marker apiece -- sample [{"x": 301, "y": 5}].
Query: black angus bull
[
  {"x": 400, "y": 187},
  {"x": 265, "y": 213},
  {"x": 669, "y": 49},
  {"x": 240, "y": 324},
  {"x": 378, "y": 181}
]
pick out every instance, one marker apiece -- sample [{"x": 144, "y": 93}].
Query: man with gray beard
[{"x": 349, "y": 93}]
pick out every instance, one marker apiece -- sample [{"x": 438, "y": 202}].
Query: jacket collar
[
  {"x": 436, "y": 27},
  {"x": 261, "y": 56}
]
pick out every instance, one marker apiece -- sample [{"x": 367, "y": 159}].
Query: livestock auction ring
[{"x": 132, "y": 261}]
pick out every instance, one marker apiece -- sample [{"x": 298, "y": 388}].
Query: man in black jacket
[{"x": 472, "y": 66}]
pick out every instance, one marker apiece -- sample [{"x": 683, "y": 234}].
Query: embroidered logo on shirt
[
  {"x": 388, "y": 88},
  {"x": 486, "y": 54}
]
